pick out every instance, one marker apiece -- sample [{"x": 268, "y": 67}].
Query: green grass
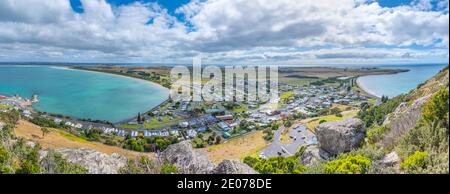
[
  {"x": 240, "y": 109},
  {"x": 128, "y": 126},
  {"x": 313, "y": 123},
  {"x": 299, "y": 81},
  {"x": 71, "y": 137},
  {"x": 372, "y": 101},
  {"x": 4, "y": 107},
  {"x": 287, "y": 95},
  {"x": 166, "y": 120}
]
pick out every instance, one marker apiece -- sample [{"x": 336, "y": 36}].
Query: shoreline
[
  {"x": 365, "y": 89},
  {"x": 124, "y": 121},
  {"x": 62, "y": 67}
]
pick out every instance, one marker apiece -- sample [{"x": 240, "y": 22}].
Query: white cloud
[{"x": 224, "y": 30}]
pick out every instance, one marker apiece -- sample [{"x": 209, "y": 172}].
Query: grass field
[
  {"x": 237, "y": 149},
  {"x": 4, "y": 106},
  {"x": 313, "y": 122},
  {"x": 58, "y": 139},
  {"x": 153, "y": 123}
]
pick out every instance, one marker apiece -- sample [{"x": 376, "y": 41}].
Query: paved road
[{"x": 301, "y": 136}]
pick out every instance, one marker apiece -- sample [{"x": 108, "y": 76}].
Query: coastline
[
  {"x": 126, "y": 120},
  {"x": 113, "y": 74},
  {"x": 153, "y": 84},
  {"x": 365, "y": 89}
]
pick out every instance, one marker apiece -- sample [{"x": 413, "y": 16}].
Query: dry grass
[
  {"x": 313, "y": 122},
  {"x": 57, "y": 139},
  {"x": 237, "y": 149}
]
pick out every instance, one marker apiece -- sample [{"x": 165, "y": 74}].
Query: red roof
[{"x": 3, "y": 97}]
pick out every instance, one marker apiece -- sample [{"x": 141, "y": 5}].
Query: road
[{"x": 301, "y": 135}]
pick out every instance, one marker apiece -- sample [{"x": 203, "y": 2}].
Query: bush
[
  {"x": 375, "y": 133},
  {"x": 415, "y": 163},
  {"x": 169, "y": 169},
  {"x": 437, "y": 108},
  {"x": 356, "y": 164},
  {"x": 276, "y": 165}
]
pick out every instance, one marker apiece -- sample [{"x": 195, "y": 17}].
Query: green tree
[{"x": 45, "y": 131}]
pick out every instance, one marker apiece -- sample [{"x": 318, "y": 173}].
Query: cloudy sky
[{"x": 284, "y": 32}]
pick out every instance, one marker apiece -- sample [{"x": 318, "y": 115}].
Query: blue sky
[
  {"x": 170, "y": 5},
  {"x": 225, "y": 31}
]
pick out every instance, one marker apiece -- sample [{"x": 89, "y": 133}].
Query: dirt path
[{"x": 57, "y": 139}]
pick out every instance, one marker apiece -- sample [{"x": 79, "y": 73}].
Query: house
[
  {"x": 223, "y": 126},
  {"x": 201, "y": 129},
  {"x": 183, "y": 124},
  {"x": 225, "y": 117},
  {"x": 191, "y": 133}
]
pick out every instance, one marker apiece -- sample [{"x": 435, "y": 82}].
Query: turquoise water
[
  {"x": 81, "y": 94},
  {"x": 393, "y": 85}
]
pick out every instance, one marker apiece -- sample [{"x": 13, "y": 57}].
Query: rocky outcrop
[
  {"x": 340, "y": 136},
  {"x": 233, "y": 167},
  {"x": 95, "y": 162},
  {"x": 313, "y": 154},
  {"x": 186, "y": 159},
  {"x": 390, "y": 160},
  {"x": 403, "y": 119}
]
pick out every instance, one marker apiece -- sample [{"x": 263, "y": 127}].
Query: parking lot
[{"x": 300, "y": 136}]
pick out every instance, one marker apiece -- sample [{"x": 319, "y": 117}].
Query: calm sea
[
  {"x": 81, "y": 94},
  {"x": 396, "y": 84}
]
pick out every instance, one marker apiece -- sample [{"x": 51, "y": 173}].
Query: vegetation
[
  {"x": 169, "y": 169},
  {"x": 147, "y": 144},
  {"x": 276, "y": 165},
  {"x": 371, "y": 114},
  {"x": 44, "y": 122},
  {"x": 356, "y": 164},
  {"x": 415, "y": 163}
]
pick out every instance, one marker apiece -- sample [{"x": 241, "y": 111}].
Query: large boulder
[
  {"x": 390, "y": 160},
  {"x": 186, "y": 159},
  {"x": 336, "y": 137},
  {"x": 233, "y": 167},
  {"x": 95, "y": 162},
  {"x": 314, "y": 154}
]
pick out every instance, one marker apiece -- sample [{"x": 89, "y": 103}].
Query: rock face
[
  {"x": 340, "y": 136},
  {"x": 403, "y": 119},
  {"x": 186, "y": 159},
  {"x": 233, "y": 167},
  {"x": 313, "y": 154},
  {"x": 95, "y": 162}
]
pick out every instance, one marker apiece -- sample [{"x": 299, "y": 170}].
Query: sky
[{"x": 282, "y": 32}]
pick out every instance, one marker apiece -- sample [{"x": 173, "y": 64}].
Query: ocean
[
  {"x": 81, "y": 94},
  {"x": 396, "y": 84}
]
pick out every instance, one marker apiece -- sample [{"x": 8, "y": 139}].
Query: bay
[{"x": 81, "y": 94}]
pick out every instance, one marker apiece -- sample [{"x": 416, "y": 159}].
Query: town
[{"x": 209, "y": 123}]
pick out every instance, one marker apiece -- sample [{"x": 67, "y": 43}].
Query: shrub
[
  {"x": 276, "y": 165},
  {"x": 415, "y": 163},
  {"x": 375, "y": 133},
  {"x": 169, "y": 169},
  {"x": 356, "y": 164},
  {"x": 437, "y": 108}
]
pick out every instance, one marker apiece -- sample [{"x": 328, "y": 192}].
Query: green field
[{"x": 4, "y": 107}]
